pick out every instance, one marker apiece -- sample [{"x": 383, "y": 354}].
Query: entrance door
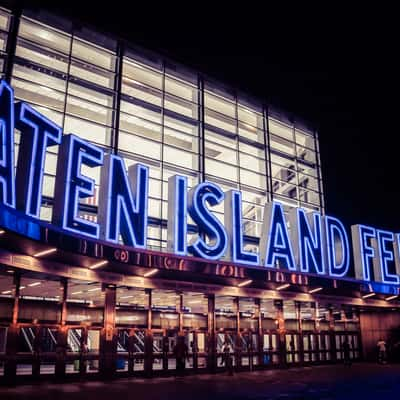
[
  {"x": 292, "y": 342},
  {"x": 248, "y": 349},
  {"x": 354, "y": 342},
  {"x": 130, "y": 349},
  {"x": 324, "y": 346},
  {"x": 270, "y": 348},
  {"x": 196, "y": 342},
  {"x": 228, "y": 337},
  {"x": 310, "y": 353}
]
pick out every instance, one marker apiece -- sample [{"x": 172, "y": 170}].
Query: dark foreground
[{"x": 360, "y": 381}]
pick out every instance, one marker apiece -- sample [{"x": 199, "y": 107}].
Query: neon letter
[
  {"x": 123, "y": 203},
  {"x": 7, "y": 181},
  {"x": 71, "y": 185},
  {"x": 207, "y": 223},
  {"x": 274, "y": 242},
  {"x": 37, "y": 133},
  {"x": 234, "y": 226},
  {"x": 363, "y": 251},
  {"x": 385, "y": 256},
  {"x": 335, "y": 239},
  {"x": 177, "y": 215},
  {"x": 307, "y": 240}
]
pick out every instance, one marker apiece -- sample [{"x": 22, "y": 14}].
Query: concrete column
[
  {"x": 211, "y": 348},
  {"x": 10, "y": 366},
  {"x": 148, "y": 339},
  {"x": 108, "y": 342},
  {"x": 62, "y": 338}
]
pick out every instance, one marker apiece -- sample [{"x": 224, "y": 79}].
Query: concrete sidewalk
[{"x": 362, "y": 381}]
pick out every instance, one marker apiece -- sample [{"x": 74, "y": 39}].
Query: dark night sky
[{"x": 336, "y": 67}]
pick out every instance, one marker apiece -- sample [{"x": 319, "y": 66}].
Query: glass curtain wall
[{"x": 150, "y": 111}]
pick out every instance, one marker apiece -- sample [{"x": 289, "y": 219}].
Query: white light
[
  {"x": 245, "y": 283},
  {"x": 150, "y": 273},
  {"x": 368, "y": 295},
  {"x": 194, "y": 302},
  {"x": 126, "y": 297},
  {"x": 286, "y": 285},
  {"x": 99, "y": 264},
  {"x": 94, "y": 289},
  {"x": 77, "y": 292},
  {"x": 10, "y": 271},
  {"x": 35, "y": 284},
  {"x": 21, "y": 287},
  {"x": 2, "y": 231},
  {"x": 392, "y": 297},
  {"x": 6, "y": 292},
  {"x": 45, "y": 252},
  {"x": 318, "y": 289}
]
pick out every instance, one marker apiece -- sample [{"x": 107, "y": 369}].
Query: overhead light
[
  {"x": 35, "y": 284},
  {"x": 10, "y": 271},
  {"x": 94, "y": 289},
  {"x": 194, "y": 302},
  {"x": 45, "y": 252},
  {"x": 2, "y": 231},
  {"x": 392, "y": 297},
  {"x": 368, "y": 295},
  {"x": 21, "y": 287},
  {"x": 318, "y": 289},
  {"x": 77, "y": 292},
  {"x": 150, "y": 273},
  {"x": 99, "y": 264},
  {"x": 286, "y": 285},
  {"x": 245, "y": 283},
  {"x": 126, "y": 297},
  {"x": 6, "y": 292}
]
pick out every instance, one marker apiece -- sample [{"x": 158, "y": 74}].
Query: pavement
[{"x": 362, "y": 381}]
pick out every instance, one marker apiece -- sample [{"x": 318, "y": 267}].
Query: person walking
[
  {"x": 227, "y": 358},
  {"x": 381, "y": 345},
  {"x": 181, "y": 353},
  {"x": 346, "y": 352}
]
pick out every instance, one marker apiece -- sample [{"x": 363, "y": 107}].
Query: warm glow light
[
  {"x": 21, "y": 287},
  {"x": 368, "y": 295},
  {"x": 45, "y": 252},
  {"x": 2, "y": 231},
  {"x": 392, "y": 297},
  {"x": 194, "y": 302},
  {"x": 245, "y": 283},
  {"x": 126, "y": 297},
  {"x": 35, "y": 284},
  {"x": 318, "y": 289},
  {"x": 94, "y": 289},
  {"x": 99, "y": 264},
  {"x": 150, "y": 273},
  {"x": 6, "y": 292},
  {"x": 286, "y": 285},
  {"x": 77, "y": 292}
]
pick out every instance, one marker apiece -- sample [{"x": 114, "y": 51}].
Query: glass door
[
  {"x": 292, "y": 345},
  {"x": 270, "y": 348}
]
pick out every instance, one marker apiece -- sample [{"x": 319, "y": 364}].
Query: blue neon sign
[{"x": 300, "y": 242}]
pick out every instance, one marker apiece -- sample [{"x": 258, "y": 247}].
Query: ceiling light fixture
[
  {"x": 35, "y": 284},
  {"x": 286, "y": 285},
  {"x": 368, "y": 295},
  {"x": 245, "y": 283},
  {"x": 318, "y": 289},
  {"x": 45, "y": 252},
  {"x": 150, "y": 273},
  {"x": 392, "y": 297},
  {"x": 99, "y": 264}
]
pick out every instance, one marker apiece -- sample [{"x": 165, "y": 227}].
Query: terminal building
[{"x": 74, "y": 307}]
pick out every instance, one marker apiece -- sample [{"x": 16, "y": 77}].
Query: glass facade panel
[{"x": 74, "y": 82}]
